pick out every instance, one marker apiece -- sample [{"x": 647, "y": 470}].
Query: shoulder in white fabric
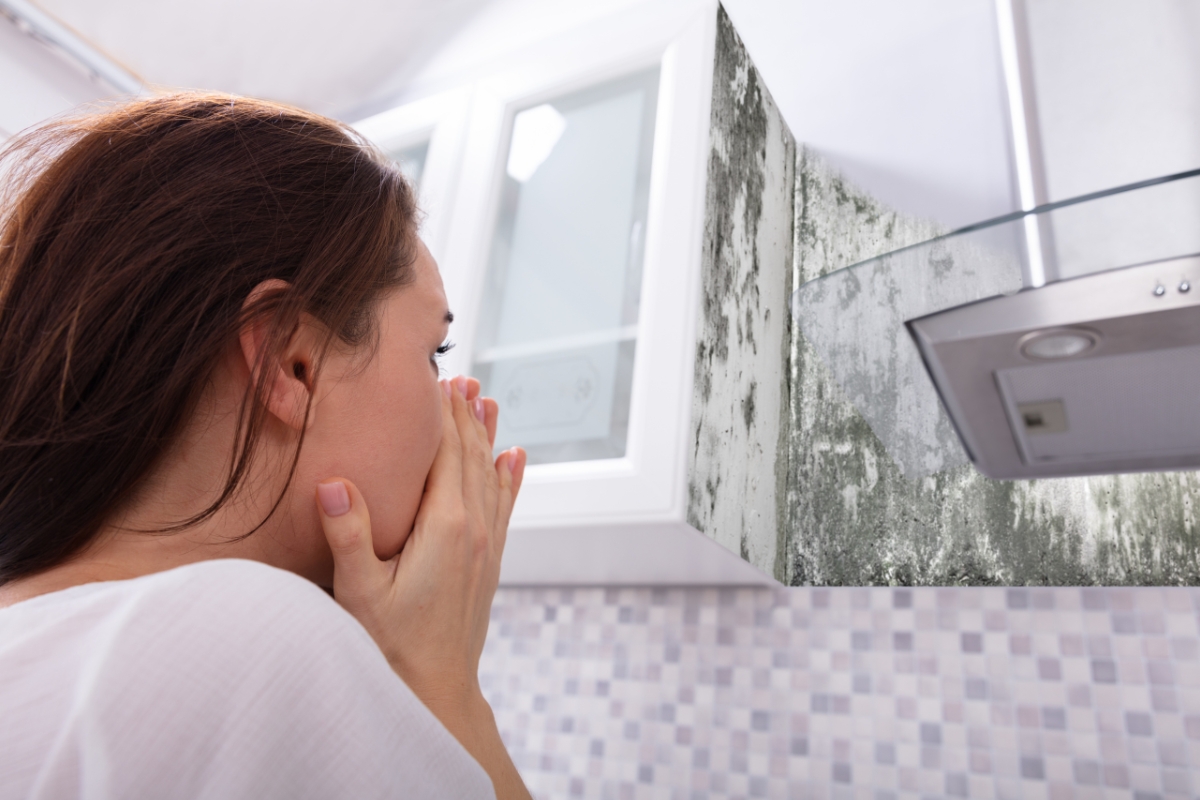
[{"x": 221, "y": 679}]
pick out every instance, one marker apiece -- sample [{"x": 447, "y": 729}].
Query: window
[
  {"x": 412, "y": 161},
  {"x": 558, "y": 324}
]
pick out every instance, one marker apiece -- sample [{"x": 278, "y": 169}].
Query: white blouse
[{"x": 223, "y": 679}]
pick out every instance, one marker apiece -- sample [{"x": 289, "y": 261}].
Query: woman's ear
[{"x": 289, "y": 374}]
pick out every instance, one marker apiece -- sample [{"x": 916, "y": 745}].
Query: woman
[{"x": 219, "y": 335}]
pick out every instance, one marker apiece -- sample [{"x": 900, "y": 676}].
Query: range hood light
[{"x": 1053, "y": 344}]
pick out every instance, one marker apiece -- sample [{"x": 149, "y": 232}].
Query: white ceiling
[
  {"x": 906, "y": 98},
  {"x": 324, "y": 56}
]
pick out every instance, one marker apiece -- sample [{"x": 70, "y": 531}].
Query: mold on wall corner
[
  {"x": 851, "y": 517},
  {"x": 787, "y": 473},
  {"x": 740, "y": 407}
]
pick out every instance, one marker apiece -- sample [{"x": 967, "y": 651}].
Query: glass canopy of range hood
[{"x": 1060, "y": 341}]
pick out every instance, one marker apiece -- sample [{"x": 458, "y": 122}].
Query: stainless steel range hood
[
  {"x": 952, "y": 350},
  {"x": 1097, "y": 374}
]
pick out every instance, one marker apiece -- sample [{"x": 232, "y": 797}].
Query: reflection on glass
[
  {"x": 412, "y": 161},
  {"x": 856, "y": 317},
  {"x": 558, "y": 323}
]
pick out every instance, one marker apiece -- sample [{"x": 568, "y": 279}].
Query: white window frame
[{"x": 440, "y": 119}]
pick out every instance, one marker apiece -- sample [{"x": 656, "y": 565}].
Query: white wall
[
  {"x": 906, "y": 99},
  {"x": 1118, "y": 90},
  {"x": 36, "y": 82}
]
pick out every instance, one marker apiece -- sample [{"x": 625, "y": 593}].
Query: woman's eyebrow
[{"x": 449, "y": 317}]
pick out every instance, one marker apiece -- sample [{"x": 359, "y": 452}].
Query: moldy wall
[
  {"x": 786, "y": 472},
  {"x": 740, "y": 404}
]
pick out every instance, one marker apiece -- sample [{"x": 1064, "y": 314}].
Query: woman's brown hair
[{"x": 129, "y": 242}]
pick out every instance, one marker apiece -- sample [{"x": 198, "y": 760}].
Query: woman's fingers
[
  {"x": 347, "y": 527},
  {"x": 491, "y": 413},
  {"x": 510, "y": 471},
  {"x": 445, "y": 476},
  {"x": 476, "y": 456},
  {"x": 520, "y": 457}
]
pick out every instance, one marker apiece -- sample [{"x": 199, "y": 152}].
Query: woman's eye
[{"x": 438, "y": 353}]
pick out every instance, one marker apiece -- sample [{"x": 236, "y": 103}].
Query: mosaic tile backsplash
[{"x": 849, "y": 692}]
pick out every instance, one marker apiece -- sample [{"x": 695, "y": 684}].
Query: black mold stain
[
  {"x": 748, "y": 406},
  {"x": 737, "y": 174},
  {"x": 853, "y": 519},
  {"x": 731, "y": 304}
]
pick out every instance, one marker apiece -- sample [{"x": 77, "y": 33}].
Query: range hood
[
  {"x": 1097, "y": 374},
  {"x": 1085, "y": 363}
]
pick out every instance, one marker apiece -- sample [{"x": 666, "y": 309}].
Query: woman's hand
[{"x": 428, "y": 607}]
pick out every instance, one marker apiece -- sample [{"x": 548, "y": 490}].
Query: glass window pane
[
  {"x": 412, "y": 161},
  {"x": 558, "y": 325}
]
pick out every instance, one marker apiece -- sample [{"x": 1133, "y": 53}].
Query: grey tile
[
  {"x": 1042, "y": 599},
  {"x": 1191, "y": 726},
  {"x": 975, "y": 689},
  {"x": 1139, "y": 723},
  {"x": 1160, "y": 672},
  {"x": 1116, "y": 775},
  {"x": 1173, "y": 753},
  {"x": 1095, "y": 599},
  {"x": 1087, "y": 772},
  {"x": 1104, "y": 670},
  {"x": 1017, "y": 598},
  {"x": 1054, "y": 718},
  {"x": 1163, "y": 698},
  {"x": 682, "y": 694},
  {"x": 1176, "y": 781},
  {"x": 1049, "y": 669}
]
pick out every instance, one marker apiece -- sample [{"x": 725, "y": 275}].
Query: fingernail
[
  {"x": 506, "y": 461},
  {"x": 478, "y": 405},
  {"x": 461, "y": 382},
  {"x": 335, "y": 500},
  {"x": 445, "y": 387}
]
